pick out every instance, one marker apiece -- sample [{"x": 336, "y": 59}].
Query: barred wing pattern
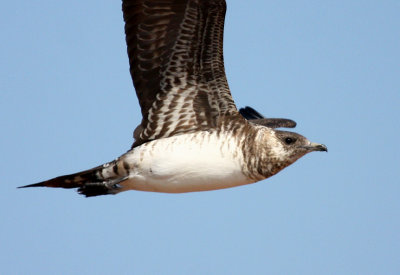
[{"x": 175, "y": 50}]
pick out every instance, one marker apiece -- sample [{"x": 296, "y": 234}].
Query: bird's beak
[{"x": 316, "y": 147}]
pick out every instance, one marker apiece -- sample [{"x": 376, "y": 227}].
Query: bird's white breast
[{"x": 186, "y": 163}]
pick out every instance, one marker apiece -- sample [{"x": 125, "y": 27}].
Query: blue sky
[{"x": 67, "y": 104}]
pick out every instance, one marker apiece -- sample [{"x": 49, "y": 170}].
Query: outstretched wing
[
  {"x": 255, "y": 117},
  {"x": 175, "y": 50}
]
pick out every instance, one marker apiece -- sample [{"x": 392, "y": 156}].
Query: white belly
[{"x": 181, "y": 164}]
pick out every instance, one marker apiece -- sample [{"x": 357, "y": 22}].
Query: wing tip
[
  {"x": 249, "y": 113},
  {"x": 255, "y": 117}
]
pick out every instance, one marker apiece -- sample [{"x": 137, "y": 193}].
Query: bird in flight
[{"x": 191, "y": 137}]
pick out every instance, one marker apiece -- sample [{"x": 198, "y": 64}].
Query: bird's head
[
  {"x": 284, "y": 148},
  {"x": 292, "y": 144}
]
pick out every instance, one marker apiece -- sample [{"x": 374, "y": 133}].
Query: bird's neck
[{"x": 260, "y": 162}]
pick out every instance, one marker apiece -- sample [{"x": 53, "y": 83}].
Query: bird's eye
[{"x": 289, "y": 140}]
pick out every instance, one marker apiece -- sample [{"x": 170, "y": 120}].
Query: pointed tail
[{"x": 101, "y": 180}]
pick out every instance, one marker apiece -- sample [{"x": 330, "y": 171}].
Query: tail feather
[{"x": 101, "y": 180}]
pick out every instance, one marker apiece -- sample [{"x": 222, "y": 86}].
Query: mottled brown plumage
[
  {"x": 191, "y": 137},
  {"x": 175, "y": 51}
]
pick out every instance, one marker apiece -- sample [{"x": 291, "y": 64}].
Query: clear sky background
[{"x": 67, "y": 104}]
